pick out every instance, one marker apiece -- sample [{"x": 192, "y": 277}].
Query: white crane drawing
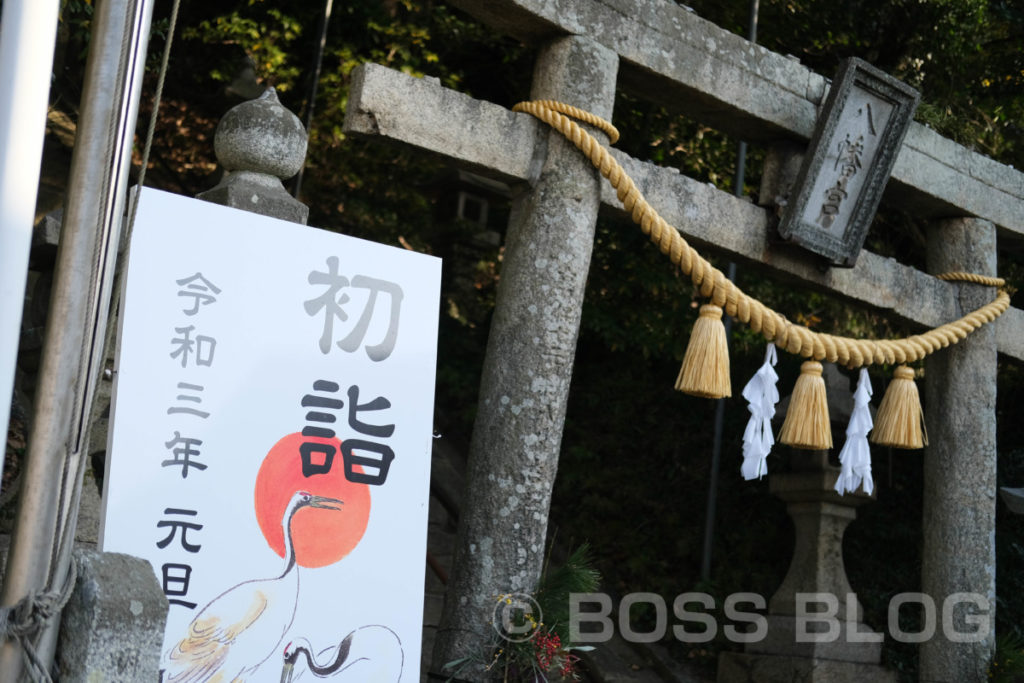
[{"x": 233, "y": 635}]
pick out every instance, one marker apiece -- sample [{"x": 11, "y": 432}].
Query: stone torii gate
[{"x": 659, "y": 51}]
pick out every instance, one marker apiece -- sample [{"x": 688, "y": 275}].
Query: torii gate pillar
[
  {"x": 524, "y": 386},
  {"x": 958, "y": 552}
]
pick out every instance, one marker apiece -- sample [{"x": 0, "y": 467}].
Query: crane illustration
[
  {"x": 369, "y": 653},
  {"x": 242, "y": 627}
]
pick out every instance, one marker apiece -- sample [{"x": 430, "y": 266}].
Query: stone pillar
[
  {"x": 260, "y": 143},
  {"x": 958, "y": 552},
  {"x": 113, "y": 625},
  {"x": 528, "y": 365}
]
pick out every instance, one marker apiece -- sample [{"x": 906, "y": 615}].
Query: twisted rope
[
  {"x": 713, "y": 284},
  {"x": 30, "y": 616},
  {"x": 575, "y": 112},
  {"x": 960, "y": 276}
]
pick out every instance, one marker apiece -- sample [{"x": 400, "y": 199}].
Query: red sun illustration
[{"x": 320, "y": 536}]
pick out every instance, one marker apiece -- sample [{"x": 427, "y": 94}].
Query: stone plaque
[{"x": 858, "y": 134}]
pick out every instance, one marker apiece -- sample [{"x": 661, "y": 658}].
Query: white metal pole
[
  {"x": 28, "y": 31},
  {"x": 40, "y": 552}
]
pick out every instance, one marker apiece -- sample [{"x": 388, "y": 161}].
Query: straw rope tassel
[
  {"x": 762, "y": 395},
  {"x": 900, "y": 420},
  {"x": 705, "y": 370},
  {"x": 855, "y": 458},
  {"x": 807, "y": 425}
]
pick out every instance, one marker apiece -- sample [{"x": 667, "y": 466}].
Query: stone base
[
  {"x": 113, "y": 627},
  {"x": 741, "y": 667},
  {"x": 258, "y": 193},
  {"x": 848, "y": 646}
]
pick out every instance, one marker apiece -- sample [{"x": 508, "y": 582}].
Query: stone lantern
[{"x": 810, "y": 650}]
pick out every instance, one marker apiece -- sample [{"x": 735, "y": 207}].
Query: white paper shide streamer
[
  {"x": 762, "y": 395},
  {"x": 855, "y": 458}
]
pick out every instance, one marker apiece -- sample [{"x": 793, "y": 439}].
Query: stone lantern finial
[{"x": 260, "y": 143}]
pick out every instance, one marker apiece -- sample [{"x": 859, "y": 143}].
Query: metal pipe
[
  {"x": 73, "y": 350},
  {"x": 28, "y": 31},
  {"x": 716, "y": 461},
  {"x": 716, "y": 443},
  {"x": 752, "y": 21},
  {"x": 318, "y": 60}
]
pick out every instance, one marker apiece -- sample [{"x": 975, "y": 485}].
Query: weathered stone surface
[
  {"x": 937, "y": 177},
  {"x": 1010, "y": 333},
  {"x": 90, "y": 512},
  {"x": 395, "y": 107},
  {"x": 788, "y": 638},
  {"x": 704, "y": 215},
  {"x": 673, "y": 55},
  {"x": 711, "y": 74},
  {"x": 781, "y": 168},
  {"x": 524, "y": 386},
  {"x": 261, "y": 135},
  {"x": 259, "y": 142},
  {"x": 258, "y": 193},
  {"x": 958, "y": 551},
  {"x": 707, "y": 216},
  {"x": 113, "y": 626},
  {"x": 736, "y": 667}
]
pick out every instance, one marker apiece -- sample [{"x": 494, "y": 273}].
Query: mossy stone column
[
  {"x": 958, "y": 552},
  {"x": 524, "y": 387}
]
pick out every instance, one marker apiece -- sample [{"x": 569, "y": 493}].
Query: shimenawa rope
[{"x": 713, "y": 284}]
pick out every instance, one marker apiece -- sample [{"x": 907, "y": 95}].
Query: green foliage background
[{"x": 635, "y": 459}]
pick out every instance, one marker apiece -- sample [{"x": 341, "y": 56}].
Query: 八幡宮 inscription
[{"x": 857, "y": 136}]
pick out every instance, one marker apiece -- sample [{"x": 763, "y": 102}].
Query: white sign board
[{"x": 270, "y": 446}]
